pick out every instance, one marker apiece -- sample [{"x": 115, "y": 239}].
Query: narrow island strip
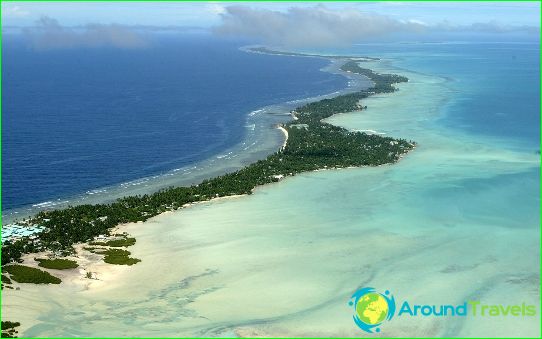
[
  {"x": 311, "y": 144},
  {"x": 265, "y": 50}
]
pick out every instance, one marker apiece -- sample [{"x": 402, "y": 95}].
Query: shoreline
[
  {"x": 259, "y": 49},
  {"x": 238, "y": 156},
  {"x": 283, "y": 130},
  {"x": 104, "y": 273},
  {"x": 309, "y": 124}
]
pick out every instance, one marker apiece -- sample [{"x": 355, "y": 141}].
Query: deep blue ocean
[{"x": 80, "y": 119}]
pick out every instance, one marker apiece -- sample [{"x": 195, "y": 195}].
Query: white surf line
[{"x": 286, "y": 136}]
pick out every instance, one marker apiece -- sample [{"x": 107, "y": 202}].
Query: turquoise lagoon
[{"x": 456, "y": 220}]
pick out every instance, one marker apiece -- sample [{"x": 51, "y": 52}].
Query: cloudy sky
[
  {"x": 207, "y": 14},
  {"x": 297, "y": 24}
]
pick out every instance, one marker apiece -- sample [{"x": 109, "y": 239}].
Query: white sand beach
[{"x": 283, "y": 130}]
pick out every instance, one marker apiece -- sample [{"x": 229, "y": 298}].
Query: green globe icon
[{"x": 372, "y": 308}]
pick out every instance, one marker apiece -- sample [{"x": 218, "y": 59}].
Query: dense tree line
[
  {"x": 9, "y": 329},
  {"x": 315, "y": 145}
]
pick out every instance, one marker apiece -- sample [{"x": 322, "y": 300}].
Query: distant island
[
  {"x": 311, "y": 144},
  {"x": 265, "y": 50}
]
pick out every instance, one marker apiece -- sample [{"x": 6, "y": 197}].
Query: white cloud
[
  {"x": 309, "y": 26},
  {"x": 419, "y": 22},
  {"x": 215, "y": 8},
  {"x": 49, "y": 34},
  {"x": 13, "y": 11},
  {"x": 320, "y": 26}
]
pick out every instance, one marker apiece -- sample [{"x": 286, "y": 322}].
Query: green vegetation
[
  {"x": 9, "y": 324},
  {"x": 8, "y": 329},
  {"x": 6, "y": 282},
  {"x": 116, "y": 243},
  {"x": 6, "y": 279},
  {"x": 114, "y": 256},
  {"x": 117, "y": 256},
  {"x": 383, "y": 82},
  {"x": 25, "y": 274},
  {"x": 57, "y": 264},
  {"x": 317, "y": 145}
]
